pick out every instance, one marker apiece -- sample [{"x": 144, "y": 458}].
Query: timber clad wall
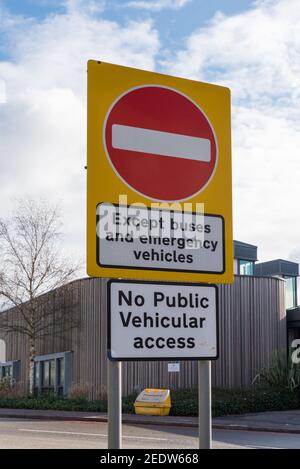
[{"x": 252, "y": 324}]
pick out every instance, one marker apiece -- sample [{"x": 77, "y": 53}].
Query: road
[{"x": 20, "y": 433}]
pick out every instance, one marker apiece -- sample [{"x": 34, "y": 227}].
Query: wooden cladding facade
[{"x": 252, "y": 326}]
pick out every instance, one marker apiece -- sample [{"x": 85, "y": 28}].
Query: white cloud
[
  {"x": 2, "y": 92},
  {"x": 157, "y": 5},
  {"x": 43, "y": 121},
  {"x": 257, "y": 51},
  {"x": 86, "y": 6},
  {"x": 257, "y": 55}
]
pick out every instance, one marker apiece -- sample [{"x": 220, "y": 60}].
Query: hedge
[{"x": 184, "y": 402}]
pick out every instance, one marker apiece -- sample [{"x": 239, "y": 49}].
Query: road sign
[
  {"x": 133, "y": 240},
  {"x": 160, "y": 143},
  {"x": 156, "y": 139},
  {"x": 161, "y": 321}
]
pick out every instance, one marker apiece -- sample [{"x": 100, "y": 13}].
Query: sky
[{"x": 253, "y": 47}]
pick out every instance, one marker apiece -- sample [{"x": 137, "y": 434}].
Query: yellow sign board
[{"x": 158, "y": 177}]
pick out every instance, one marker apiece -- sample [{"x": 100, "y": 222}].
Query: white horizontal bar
[
  {"x": 61, "y": 432},
  {"x": 125, "y": 137}
]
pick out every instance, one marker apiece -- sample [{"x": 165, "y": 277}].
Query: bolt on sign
[
  {"x": 159, "y": 177},
  {"x": 161, "y": 321}
]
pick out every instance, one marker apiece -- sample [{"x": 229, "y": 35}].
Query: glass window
[
  {"x": 45, "y": 367},
  {"x": 246, "y": 267},
  {"x": 61, "y": 371},
  {"x": 51, "y": 372},
  {"x": 36, "y": 374},
  {"x": 6, "y": 371},
  {"x": 290, "y": 292},
  {"x": 48, "y": 373}
]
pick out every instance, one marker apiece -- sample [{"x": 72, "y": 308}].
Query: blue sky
[
  {"x": 177, "y": 22},
  {"x": 250, "y": 46},
  {"x": 174, "y": 25}
]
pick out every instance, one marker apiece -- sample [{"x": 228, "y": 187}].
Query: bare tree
[{"x": 30, "y": 266}]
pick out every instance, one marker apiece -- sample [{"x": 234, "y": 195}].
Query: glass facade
[
  {"x": 52, "y": 373},
  {"x": 45, "y": 374},
  {"x": 48, "y": 375},
  {"x": 60, "y": 375},
  {"x": 10, "y": 369},
  {"x": 246, "y": 267},
  {"x": 36, "y": 376},
  {"x": 7, "y": 371},
  {"x": 290, "y": 292}
]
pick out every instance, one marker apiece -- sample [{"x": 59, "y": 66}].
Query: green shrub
[
  {"x": 184, "y": 402},
  {"x": 281, "y": 374},
  {"x": 6, "y": 386},
  {"x": 128, "y": 403},
  {"x": 187, "y": 408},
  {"x": 9, "y": 388},
  {"x": 259, "y": 400}
]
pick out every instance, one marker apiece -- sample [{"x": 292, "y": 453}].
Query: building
[
  {"x": 245, "y": 256},
  {"x": 255, "y": 316},
  {"x": 288, "y": 271}
]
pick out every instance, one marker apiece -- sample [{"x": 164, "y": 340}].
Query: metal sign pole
[
  {"x": 204, "y": 403},
  {"x": 114, "y": 405}
]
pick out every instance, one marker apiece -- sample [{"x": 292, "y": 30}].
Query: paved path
[
  {"x": 286, "y": 421},
  {"x": 281, "y": 421}
]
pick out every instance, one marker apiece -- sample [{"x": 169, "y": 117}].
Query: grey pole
[
  {"x": 204, "y": 402},
  {"x": 114, "y": 405}
]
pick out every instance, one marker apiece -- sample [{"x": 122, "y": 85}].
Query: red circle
[{"x": 159, "y": 177}]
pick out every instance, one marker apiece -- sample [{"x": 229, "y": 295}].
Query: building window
[
  {"x": 7, "y": 371},
  {"x": 290, "y": 292},
  {"x": 53, "y": 373},
  {"x": 45, "y": 374},
  {"x": 36, "y": 377},
  {"x": 246, "y": 267},
  {"x": 48, "y": 375},
  {"x": 60, "y": 375},
  {"x": 10, "y": 370}
]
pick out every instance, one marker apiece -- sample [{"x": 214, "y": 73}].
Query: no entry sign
[{"x": 160, "y": 143}]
